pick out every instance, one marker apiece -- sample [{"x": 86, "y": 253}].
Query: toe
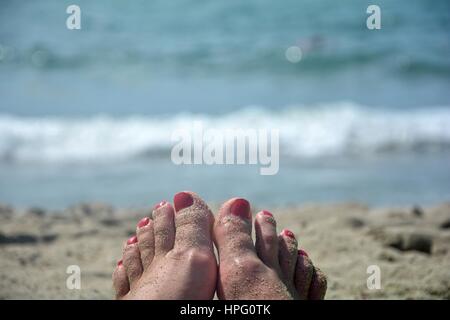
[
  {"x": 146, "y": 241},
  {"x": 232, "y": 230},
  {"x": 120, "y": 280},
  {"x": 287, "y": 254},
  {"x": 132, "y": 260},
  {"x": 318, "y": 286},
  {"x": 304, "y": 271},
  {"x": 163, "y": 228},
  {"x": 193, "y": 222},
  {"x": 267, "y": 239}
]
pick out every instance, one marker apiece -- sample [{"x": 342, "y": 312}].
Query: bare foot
[
  {"x": 272, "y": 268},
  {"x": 171, "y": 256}
]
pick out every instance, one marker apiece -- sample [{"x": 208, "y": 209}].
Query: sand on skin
[{"x": 37, "y": 246}]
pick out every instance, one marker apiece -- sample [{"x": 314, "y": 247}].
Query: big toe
[
  {"x": 232, "y": 230},
  {"x": 193, "y": 222}
]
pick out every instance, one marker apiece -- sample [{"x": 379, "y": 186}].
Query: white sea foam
[{"x": 305, "y": 131}]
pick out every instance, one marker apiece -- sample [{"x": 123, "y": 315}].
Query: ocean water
[{"x": 87, "y": 115}]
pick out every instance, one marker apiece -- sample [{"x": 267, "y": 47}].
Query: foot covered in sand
[
  {"x": 171, "y": 256},
  {"x": 272, "y": 268}
]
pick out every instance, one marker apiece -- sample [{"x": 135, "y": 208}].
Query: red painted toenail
[
  {"x": 302, "y": 253},
  {"x": 132, "y": 240},
  {"x": 241, "y": 208},
  {"x": 159, "y": 205},
  {"x": 119, "y": 263},
  {"x": 288, "y": 233},
  {"x": 267, "y": 213},
  {"x": 143, "y": 222},
  {"x": 182, "y": 200}
]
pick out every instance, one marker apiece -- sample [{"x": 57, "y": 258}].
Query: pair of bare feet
[{"x": 172, "y": 257}]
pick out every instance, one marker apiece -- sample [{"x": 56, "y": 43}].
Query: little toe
[
  {"x": 120, "y": 280},
  {"x": 318, "y": 286}
]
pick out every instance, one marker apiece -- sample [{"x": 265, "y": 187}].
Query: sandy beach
[
  {"x": 332, "y": 115},
  {"x": 411, "y": 246}
]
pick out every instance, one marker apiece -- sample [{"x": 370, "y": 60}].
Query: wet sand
[{"x": 410, "y": 245}]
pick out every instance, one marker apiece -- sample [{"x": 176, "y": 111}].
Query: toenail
[
  {"x": 159, "y": 205},
  {"x": 288, "y": 233},
  {"x": 119, "y": 263},
  {"x": 267, "y": 213},
  {"x": 143, "y": 222},
  {"x": 302, "y": 253},
  {"x": 132, "y": 240},
  {"x": 241, "y": 208},
  {"x": 182, "y": 200}
]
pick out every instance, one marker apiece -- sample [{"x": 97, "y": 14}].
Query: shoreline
[{"x": 411, "y": 246}]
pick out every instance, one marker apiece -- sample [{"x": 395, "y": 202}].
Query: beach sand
[{"x": 411, "y": 246}]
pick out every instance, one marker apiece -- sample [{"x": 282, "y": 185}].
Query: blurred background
[{"x": 87, "y": 115}]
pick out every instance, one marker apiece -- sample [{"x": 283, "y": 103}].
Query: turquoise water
[
  {"x": 401, "y": 180},
  {"x": 87, "y": 114}
]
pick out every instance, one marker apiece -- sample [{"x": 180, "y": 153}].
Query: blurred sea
[{"x": 86, "y": 115}]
